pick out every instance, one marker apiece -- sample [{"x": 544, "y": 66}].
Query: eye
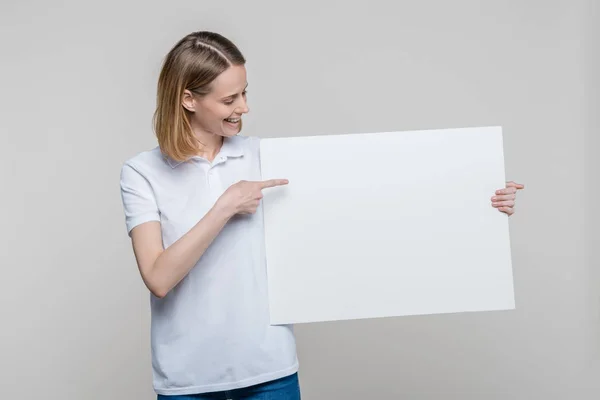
[{"x": 230, "y": 101}]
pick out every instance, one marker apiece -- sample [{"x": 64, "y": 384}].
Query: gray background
[{"x": 77, "y": 93}]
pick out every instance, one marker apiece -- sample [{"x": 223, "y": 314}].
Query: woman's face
[{"x": 220, "y": 112}]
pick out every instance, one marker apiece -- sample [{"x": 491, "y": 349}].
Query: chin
[{"x": 228, "y": 132}]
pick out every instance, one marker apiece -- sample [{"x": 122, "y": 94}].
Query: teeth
[{"x": 232, "y": 120}]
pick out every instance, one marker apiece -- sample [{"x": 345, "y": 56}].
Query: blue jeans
[{"x": 286, "y": 388}]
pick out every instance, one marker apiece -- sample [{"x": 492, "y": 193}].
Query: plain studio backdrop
[{"x": 78, "y": 85}]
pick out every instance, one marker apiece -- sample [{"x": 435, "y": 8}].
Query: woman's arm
[{"x": 161, "y": 269}]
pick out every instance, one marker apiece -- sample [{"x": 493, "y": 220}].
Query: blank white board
[{"x": 386, "y": 224}]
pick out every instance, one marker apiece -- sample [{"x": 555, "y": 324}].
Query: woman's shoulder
[{"x": 146, "y": 160}]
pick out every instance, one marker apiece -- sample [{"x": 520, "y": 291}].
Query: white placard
[{"x": 386, "y": 224}]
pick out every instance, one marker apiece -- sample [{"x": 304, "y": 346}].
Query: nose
[{"x": 243, "y": 107}]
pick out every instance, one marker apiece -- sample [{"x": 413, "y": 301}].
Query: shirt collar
[{"x": 232, "y": 147}]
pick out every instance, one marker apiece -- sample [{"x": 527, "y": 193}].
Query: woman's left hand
[{"x": 504, "y": 199}]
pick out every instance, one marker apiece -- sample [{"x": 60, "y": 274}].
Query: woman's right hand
[{"x": 244, "y": 197}]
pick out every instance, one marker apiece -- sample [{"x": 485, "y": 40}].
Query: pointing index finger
[{"x": 272, "y": 183}]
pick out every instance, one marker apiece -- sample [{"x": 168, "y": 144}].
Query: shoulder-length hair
[{"x": 192, "y": 64}]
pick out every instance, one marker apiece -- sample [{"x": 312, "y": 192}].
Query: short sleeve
[{"x": 139, "y": 203}]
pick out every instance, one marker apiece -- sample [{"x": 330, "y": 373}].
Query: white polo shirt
[{"x": 211, "y": 332}]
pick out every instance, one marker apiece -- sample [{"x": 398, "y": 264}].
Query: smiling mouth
[{"x": 233, "y": 120}]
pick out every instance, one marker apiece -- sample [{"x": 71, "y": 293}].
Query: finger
[
  {"x": 508, "y": 190},
  {"x": 272, "y": 183},
  {"x": 504, "y": 197},
  {"x": 251, "y": 207},
  {"x": 515, "y": 185},
  {"x": 507, "y": 203},
  {"x": 507, "y": 210}
]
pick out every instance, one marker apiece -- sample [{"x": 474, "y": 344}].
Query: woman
[{"x": 192, "y": 208}]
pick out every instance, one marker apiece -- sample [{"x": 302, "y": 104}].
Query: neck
[{"x": 209, "y": 145}]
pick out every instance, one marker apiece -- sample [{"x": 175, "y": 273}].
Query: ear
[{"x": 188, "y": 101}]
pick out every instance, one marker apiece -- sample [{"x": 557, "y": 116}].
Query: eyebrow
[{"x": 235, "y": 94}]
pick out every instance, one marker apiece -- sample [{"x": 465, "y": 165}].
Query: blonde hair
[{"x": 192, "y": 64}]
